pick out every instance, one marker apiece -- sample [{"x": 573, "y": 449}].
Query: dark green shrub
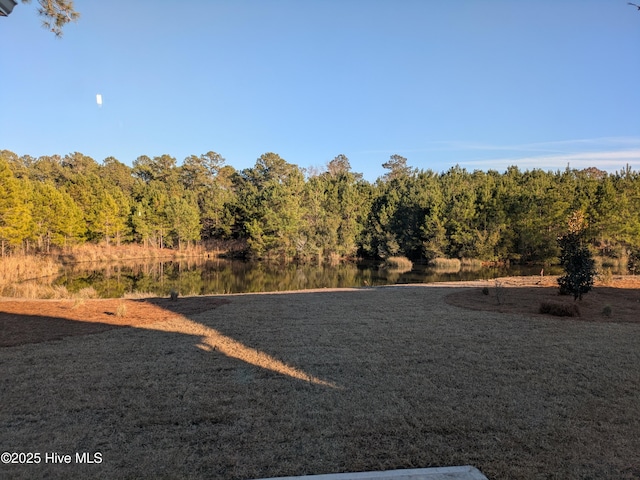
[{"x": 576, "y": 260}]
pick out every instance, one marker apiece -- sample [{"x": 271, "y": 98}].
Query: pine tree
[
  {"x": 184, "y": 220},
  {"x": 272, "y": 194},
  {"x": 15, "y": 214},
  {"x": 56, "y": 217}
]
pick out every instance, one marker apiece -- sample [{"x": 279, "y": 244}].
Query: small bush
[
  {"x": 451, "y": 265},
  {"x": 485, "y": 290},
  {"x": 400, "y": 263},
  {"x": 83, "y": 294},
  {"x": 121, "y": 311},
  {"x": 78, "y": 302},
  {"x": 57, "y": 292},
  {"x": 173, "y": 294},
  {"x": 559, "y": 309},
  {"x": 88, "y": 292}
]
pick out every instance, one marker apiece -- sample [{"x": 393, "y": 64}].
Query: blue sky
[{"x": 483, "y": 84}]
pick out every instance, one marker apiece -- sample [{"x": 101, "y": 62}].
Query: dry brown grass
[
  {"x": 410, "y": 381},
  {"x": 121, "y": 310},
  {"x": 399, "y": 263},
  {"x": 45, "y": 290},
  {"x": 18, "y": 268},
  {"x": 452, "y": 265},
  {"x": 102, "y": 253},
  {"x": 35, "y": 290}
]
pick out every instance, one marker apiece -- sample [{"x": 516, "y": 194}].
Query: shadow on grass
[
  {"x": 17, "y": 329},
  {"x": 156, "y": 314}
]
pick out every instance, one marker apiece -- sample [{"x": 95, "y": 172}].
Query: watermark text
[{"x": 26, "y": 458}]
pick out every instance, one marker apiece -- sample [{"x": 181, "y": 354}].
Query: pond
[{"x": 218, "y": 276}]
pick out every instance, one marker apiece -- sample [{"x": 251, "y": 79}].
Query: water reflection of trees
[
  {"x": 218, "y": 276},
  {"x": 191, "y": 277}
]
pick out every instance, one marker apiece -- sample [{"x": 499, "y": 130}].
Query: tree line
[{"x": 279, "y": 210}]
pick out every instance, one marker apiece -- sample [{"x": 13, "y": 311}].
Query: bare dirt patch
[
  {"x": 35, "y": 321},
  {"x": 617, "y": 301}
]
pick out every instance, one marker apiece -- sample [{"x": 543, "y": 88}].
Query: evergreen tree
[
  {"x": 211, "y": 181},
  {"x": 116, "y": 174},
  {"x": 336, "y": 207},
  {"x": 149, "y": 215},
  {"x": 271, "y": 196},
  {"x": 107, "y": 219},
  {"x": 319, "y": 231},
  {"x": 459, "y": 212},
  {"x": 15, "y": 214},
  {"x": 490, "y": 217},
  {"x": 47, "y": 168},
  {"x": 576, "y": 259},
  {"x": 183, "y": 220},
  {"x": 397, "y": 166},
  {"x": 57, "y": 219}
]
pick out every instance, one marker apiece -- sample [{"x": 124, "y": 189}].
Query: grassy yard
[{"x": 326, "y": 382}]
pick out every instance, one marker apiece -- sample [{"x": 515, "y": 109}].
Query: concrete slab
[{"x": 466, "y": 472}]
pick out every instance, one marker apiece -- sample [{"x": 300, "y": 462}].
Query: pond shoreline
[{"x": 205, "y": 276}]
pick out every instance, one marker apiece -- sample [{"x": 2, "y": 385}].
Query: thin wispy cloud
[
  {"x": 606, "y": 153},
  {"x": 463, "y": 147},
  {"x": 605, "y": 160},
  {"x": 551, "y": 146}
]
